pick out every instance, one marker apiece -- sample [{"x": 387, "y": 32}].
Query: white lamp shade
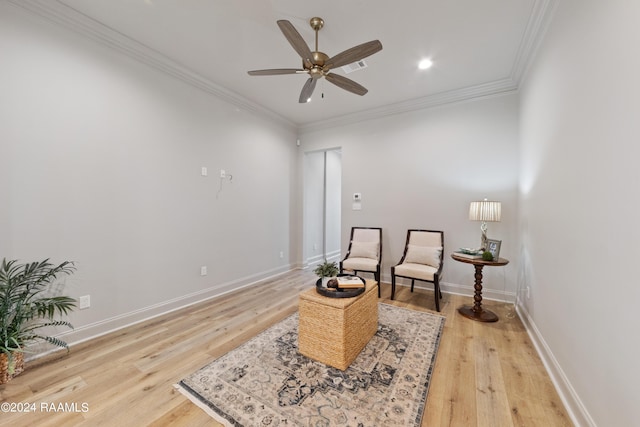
[{"x": 485, "y": 210}]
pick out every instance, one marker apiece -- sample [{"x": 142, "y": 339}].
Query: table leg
[{"x": 477, "y": 312}]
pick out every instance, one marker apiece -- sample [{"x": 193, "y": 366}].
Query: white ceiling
[{"x": 478, "y": 47}]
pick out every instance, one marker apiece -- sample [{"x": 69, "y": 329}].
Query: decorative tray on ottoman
[{"x": 348, "y": 286}]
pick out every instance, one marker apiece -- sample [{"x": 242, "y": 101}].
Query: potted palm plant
[{"x": 26, "y": 307}]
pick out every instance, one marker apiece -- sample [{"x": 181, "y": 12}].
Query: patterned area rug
[{"x": 266, "y": 382}]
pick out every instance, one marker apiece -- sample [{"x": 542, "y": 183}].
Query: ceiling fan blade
[
  {"x": 346, "y": 84},
  {"x": 307, "y": 90},
  {"x": 295, "y": 39},
  {"x": 275, "y": 72},
  {"x": 354, "y": 54}
]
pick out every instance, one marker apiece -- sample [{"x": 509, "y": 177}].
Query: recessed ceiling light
[{"x": 425, "y": 63}]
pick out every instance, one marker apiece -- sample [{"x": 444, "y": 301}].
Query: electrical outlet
[
  {"x": 281, "y": 254},
  {"x": 223, "y": 174},
  {"x": 204, "y": 171},
  {"x": 203, "y": 270},
  {"x": 85, "y": 302}
]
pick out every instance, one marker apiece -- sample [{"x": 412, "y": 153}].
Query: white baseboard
[
  {"x": 487, "y": 293},
  {"x": 454, "y": 288},
  {"x": 574, "y": 406},
  {"x": 103, "y": 327}
]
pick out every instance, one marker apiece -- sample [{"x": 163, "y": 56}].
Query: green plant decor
[
  {"x": 26, "y": 304},
  {"x": 487, "y": 256},
  {"x": 326, "y": 269}
]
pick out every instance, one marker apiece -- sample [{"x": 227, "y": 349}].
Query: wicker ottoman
[{"x": 334, "y": 330}]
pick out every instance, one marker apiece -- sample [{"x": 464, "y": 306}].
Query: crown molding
[
  {"x": 61, "y": 14},
  {"x": 499, "y": 87},
  {"x": 539, "y": 20},
  {"x": 57, "y": 12}
]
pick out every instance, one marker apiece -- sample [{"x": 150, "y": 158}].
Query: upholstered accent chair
[
  {"x": 364, "y": 253},
  {"x": 422, "y": 260}
]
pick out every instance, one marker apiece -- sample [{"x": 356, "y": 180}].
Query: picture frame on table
[{"x": 493, "y": 246}]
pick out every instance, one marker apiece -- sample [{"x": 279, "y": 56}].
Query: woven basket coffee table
[{"x": 334, "y": 330}]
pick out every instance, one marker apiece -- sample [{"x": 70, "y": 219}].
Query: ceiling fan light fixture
[
  {"x": 317, "y": 64},
  {"x": 425, "y": 64}
]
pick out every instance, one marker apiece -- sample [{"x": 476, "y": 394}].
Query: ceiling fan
[{"x": 318, "y": 64}]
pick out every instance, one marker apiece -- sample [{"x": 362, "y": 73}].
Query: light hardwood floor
[{"x": 486, "y": 374}]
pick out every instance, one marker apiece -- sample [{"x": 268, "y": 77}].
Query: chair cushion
[
  {"x": 427, "y": 255},
  {"x": 360, "y": 264},
  {"x": 364, "y": 250},
  {"x": 425, "y": 238},
  {"x": 418, "y": 271}
]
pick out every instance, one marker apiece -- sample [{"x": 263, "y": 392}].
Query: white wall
[
  {"x": 421, "y": 170},
  {"x": 101, "y": 165},
  {"x": 579, "y": 202}
]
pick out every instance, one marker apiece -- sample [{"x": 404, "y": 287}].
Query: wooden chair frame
[
  {"x": 437, "y": 275},
  {"x": 376, "y": 273}
]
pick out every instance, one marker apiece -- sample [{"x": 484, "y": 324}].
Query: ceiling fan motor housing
[{"x": 316, "y": 70}]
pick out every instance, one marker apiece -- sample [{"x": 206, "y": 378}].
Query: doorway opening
[{"x": 322, "y": 205}]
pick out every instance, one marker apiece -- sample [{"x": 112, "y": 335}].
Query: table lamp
[{"x": 485, "y": 211}]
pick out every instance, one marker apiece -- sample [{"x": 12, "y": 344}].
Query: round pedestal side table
[{"x": 476, "y": 312}]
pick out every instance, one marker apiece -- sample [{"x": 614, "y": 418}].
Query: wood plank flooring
[{"x": 486, "y": 374}]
